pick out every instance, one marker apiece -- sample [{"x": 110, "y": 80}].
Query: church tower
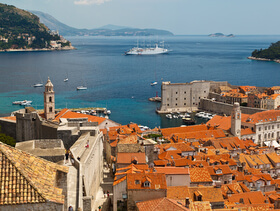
[
  {"x": 236, "y": 120},
  {"x": 49, "y": 108}
]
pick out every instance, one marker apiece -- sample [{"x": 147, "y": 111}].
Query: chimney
[{"x": 187, "y": 202}]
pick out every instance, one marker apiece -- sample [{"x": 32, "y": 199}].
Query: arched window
[
  {"x": 50, "y": 109},
  {"x": 50, "y": 99}
]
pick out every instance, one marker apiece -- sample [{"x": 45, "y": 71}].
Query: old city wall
[
  {"x": 224, "y": 108},
  {"x": 8, "y": 127},
  {"x": 48, "y": 206}
]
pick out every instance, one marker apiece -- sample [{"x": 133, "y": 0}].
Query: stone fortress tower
[
  {"x": 49, "y": 105},
  {"x": 236, "y": 120}
]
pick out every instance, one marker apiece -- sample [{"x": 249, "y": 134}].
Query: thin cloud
[{"x": 88, "y": 2}]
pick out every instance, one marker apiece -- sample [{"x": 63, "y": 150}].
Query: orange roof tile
[
  {"x": 163, "y": 204},
  {"x": 195, "y": 128},
  {"x": 157, "y": 181},
  {"x": 12, "y": 118},
  {"x": 200, "y": 175},
  {"x": 127, "y": 158},
  {"x": 209, "y": 193},
  {"x": 172, "y": 170},
  {"x": 224, "y": 168},
  {"x": 255, "y": 197},
  {"x": 66, "y": 113}
]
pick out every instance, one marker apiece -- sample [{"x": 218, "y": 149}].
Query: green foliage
[
  {"x": 273, "y": 52},
  {"x": 7, "y": 139},
  {"x": 18, "y": 26}
]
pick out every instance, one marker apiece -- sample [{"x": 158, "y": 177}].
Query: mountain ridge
[{"x": 107, "y": 30}]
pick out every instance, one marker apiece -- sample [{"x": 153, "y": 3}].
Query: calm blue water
[{"x": 122, "y": 83}]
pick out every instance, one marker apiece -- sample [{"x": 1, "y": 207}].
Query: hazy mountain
[{"x": 107, "y": 30}]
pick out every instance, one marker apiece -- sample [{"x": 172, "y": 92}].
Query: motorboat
[
  {"x": 81, "y": 87},
  {"x": 65, "y": 79},
  {"x": 188, "y": 121},
  {"x": 38, "y": 85},
  {"x": 169, "y": 116},
  {"x": 154, "y": 83}
]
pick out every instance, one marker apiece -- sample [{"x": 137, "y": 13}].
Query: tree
[{"x": 7, "y": 139}]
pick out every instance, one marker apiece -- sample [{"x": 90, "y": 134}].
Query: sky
[{"x": 182, "y": 17}]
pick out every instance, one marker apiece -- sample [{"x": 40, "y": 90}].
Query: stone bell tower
[
  {"x": 49, "y": 106},
  {"x": 236, "y": 120}
]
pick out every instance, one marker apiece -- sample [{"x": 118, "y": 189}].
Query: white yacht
[
  {"x": 147, "y": 51},
  {"x": 38, "y": 85},
  {"x": 81, "y": 87}
]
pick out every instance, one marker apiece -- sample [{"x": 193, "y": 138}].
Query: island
[
  {"x": 220, "y": 35},
  {"x": 22, "y": 31},
  {"x": 272, "y": 53}
]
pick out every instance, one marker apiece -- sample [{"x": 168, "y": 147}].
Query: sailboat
[{"x": 66, "y": 78}]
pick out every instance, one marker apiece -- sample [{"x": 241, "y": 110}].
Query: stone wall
[
  {"x": 224, "y": 108},
  {"x": 61, "y": 182},
  {"x": 48, "y": 143},
  {"x": 48, "y": 206},
  {"x": 8, "y": 127},
  {"x": 87, "y": 203}
]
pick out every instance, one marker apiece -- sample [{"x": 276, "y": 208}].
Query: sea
[{"x": 122, "y": 83}]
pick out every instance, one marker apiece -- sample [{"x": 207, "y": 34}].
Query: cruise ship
[{"x": 147, "y": 51}]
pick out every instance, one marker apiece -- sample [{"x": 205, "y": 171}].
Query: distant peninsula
[
  {"x": 270, "y": 54},
  {"x": 22, "y": 31},
  {"x": 108, "y": 30},
  {"x": 220, "y": 35}
]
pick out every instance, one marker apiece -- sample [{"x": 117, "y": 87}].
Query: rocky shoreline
[
  {"x": 40, "y": 49},
  {"x": 263, "y": 59}
]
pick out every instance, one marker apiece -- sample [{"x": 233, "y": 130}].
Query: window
[
  {"x": 265, "y": 128},
  {"x": 272, "y": 127},
  {"x": 265, "y": 135},
  {"x": 147, "y": 184},
  {"x": 176, "y": 92},
  {"x": 269, "y": 127},
  {"x": 272, "y": 135},
  {"x": 185, "y": 98},
  {"x": 50, "y": 109},
  {"x": 50, "y": 99},
  {"x": 260, "y": 128},
  {"x": 137, "y": 182},
  {"x": 176, "y": 104},
  {"x": 167, "y": 104},
  {"x": 185, "y": 92},
  {"x": 184, "y": 103},
  {"x": 176, "y": 99},
  {"x": 167, "y": 99}
]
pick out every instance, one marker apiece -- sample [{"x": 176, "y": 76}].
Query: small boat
[
  {"x": 26, "y": 102},
  {"x": 154, "y": 83},
  {"x": 17, "y": 102},
  {"x": 81, "y": 87},
  {"x": 65, "y": 79},
  {"x": 38, "y": 85},
  {"x": 108, "y": 112},
  {"x": 169, "y": 116},
  {"x": 188, "y": 121}
]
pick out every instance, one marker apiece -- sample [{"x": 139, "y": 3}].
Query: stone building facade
[{"x": 182, "y": 97}]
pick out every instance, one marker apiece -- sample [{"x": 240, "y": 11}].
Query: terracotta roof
[
  {"x": 66, "y": 113},
  {"x": 234, "y": 188},
  {"x": 164, "y": 204},
  {"x": 265, "y": 116},
  {"x": 195, "y": 128},
  {"x": 255, "y": 197},
  {"x": 27, "y": 178},
  {"x": 246, "y": 131},
  {"x": 224, "y": 169},
  {"x": 170, "y": 155},
  {"x": 119, "y": 181},
  {"x": 12, "y": 118},
  {"x": 200, "y": 175},
  {"x": 160, "y": 162},
  {"x": 209, "y": 193},
  {"x": 157, "y": 181},
  {"x": 273, "y": 96},
  {"x": 127, "y": 158},
  {"x": 274, "y": 157},
  {"x": 131, "y": 139},
  {"x": 183, "y": 147},
  {"x": 172, "y": 170},
  {"x": 247, "y": 88},
  {"x": 177, "y": 192}
]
